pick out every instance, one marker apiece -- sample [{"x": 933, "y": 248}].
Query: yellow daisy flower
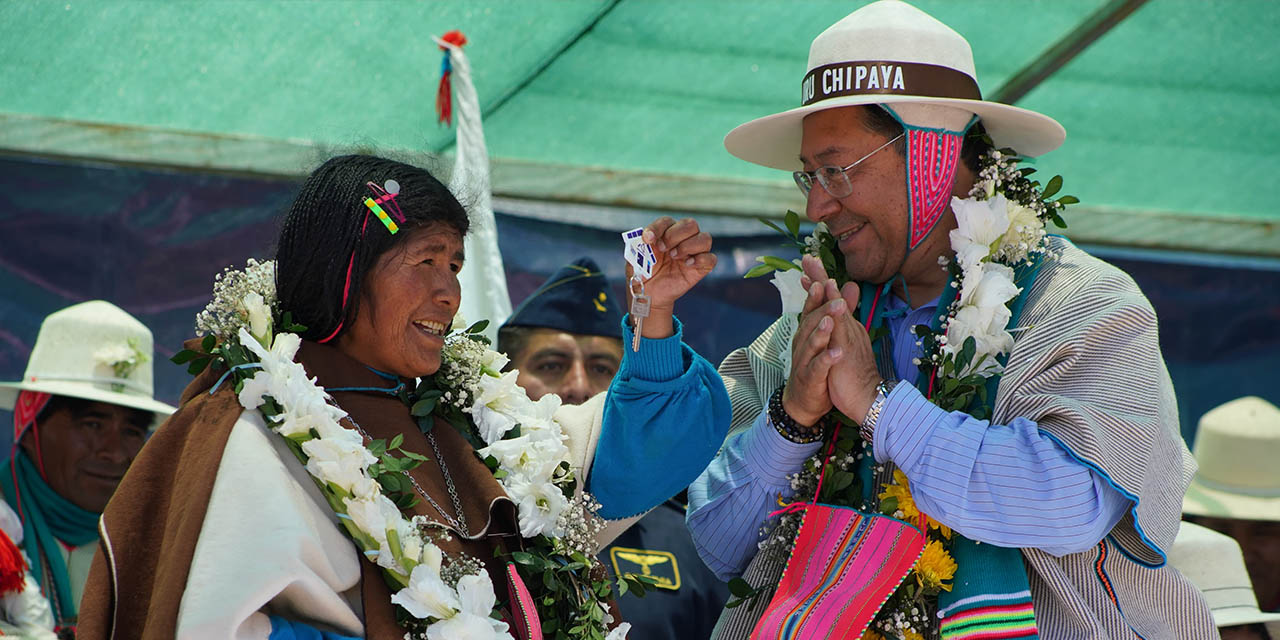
[
  {"x": 935, "y": 567},
  {"x": 901, "y": 489}
]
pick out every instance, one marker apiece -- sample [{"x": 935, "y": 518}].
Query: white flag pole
[{"x": 484, "y": 282}]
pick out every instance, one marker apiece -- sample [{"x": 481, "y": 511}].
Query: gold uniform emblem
[{"x": 661, "y": 566}]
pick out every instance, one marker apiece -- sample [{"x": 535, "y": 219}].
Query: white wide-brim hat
[
  {"x": 892, "y": 53},
  {"x": 1213, "y": 562},
  {"x": 1238, "y": 450},
  {"x": 74, "y": 356}
]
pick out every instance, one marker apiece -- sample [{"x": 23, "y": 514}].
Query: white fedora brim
[
  {"x": 1205, "y": 501},
  {"x": 774, "y": 141},
  {"x": 9, "y": 396},
  {"x": 1242, "y": 615}
]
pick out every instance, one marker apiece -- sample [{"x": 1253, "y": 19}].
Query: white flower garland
[
  {"x": 337, "y": 458},
  {"x": 534, "y": 470},
  {"x": 993, "y": 235}
]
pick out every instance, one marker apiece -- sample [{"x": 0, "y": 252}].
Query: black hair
[
  {"x": 976, "y": 142},
  {"x": 322, "y": 234},
  {"x": 79, "y": 406}
]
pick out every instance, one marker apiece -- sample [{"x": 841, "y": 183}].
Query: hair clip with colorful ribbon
[{"x": 386, "y": 195}]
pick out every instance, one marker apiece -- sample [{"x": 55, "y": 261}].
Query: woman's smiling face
[{"x": 410, "y": 297}]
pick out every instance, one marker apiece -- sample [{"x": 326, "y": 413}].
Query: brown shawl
[{"x": 150, "y": 527}]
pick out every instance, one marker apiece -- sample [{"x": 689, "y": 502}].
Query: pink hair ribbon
[{"x": 386, "y": 194}]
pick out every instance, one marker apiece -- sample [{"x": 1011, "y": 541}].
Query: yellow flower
[
  {"x": 901, "y": 490},
  {"x": 910, "y": 634},
  {"x": 935, "y": 567},
  {"x": 871, "y": 634}
]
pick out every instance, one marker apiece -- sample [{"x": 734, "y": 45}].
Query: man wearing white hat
[
  {"x": 81, "y": 413},
  {"x": 1015, "y": 398},
  {"x": 1237, "y": 488}
]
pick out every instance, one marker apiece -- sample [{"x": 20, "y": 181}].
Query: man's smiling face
[
  {"x": 870, "y": 224},
  {"x": 87, "y": 447}
]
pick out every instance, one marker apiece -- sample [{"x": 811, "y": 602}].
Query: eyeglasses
[{"x": 833, "y": 178}]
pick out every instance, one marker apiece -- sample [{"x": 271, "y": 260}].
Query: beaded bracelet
[{"x": 787, "y": 426}]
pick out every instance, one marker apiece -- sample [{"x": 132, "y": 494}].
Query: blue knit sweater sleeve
[
  {"x": 282, "y": 629},
  {"x": 665, "y": 417}
]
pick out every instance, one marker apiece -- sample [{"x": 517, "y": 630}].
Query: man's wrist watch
[{"x": 868, "y": 430}]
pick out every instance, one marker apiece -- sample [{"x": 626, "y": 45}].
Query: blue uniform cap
[{"x": 575, "y": 299}]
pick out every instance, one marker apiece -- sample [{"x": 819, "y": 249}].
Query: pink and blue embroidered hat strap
[{"x": 932, "y": 158}]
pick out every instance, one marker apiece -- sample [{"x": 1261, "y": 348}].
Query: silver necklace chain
[{"x": 461, "y": 522}]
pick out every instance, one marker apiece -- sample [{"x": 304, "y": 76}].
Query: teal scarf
[
  {"x": 990, "y": 592},
  {"x": 47, "y": 518}
]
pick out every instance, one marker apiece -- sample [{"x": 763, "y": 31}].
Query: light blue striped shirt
[{"x": 1008, "y": 485}]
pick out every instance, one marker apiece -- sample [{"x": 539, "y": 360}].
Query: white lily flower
[
  {"x": 979, "y": 224},
  {"x": 990, "y": 339},
  {"x": 253, "y": 390},
  {"x": 432, "y": 557},
  {"x": 291, "y": 422},
  {"x": 469, "y": 626},
  {"x": 276, "y": 359},
  {"x": 534, "y": 455},
  {"x": 496, "y": 406},
  {"x": 341, "y": 462},
  {"x": 491, "y": 424},
  {"x": 1026, "y": 230},
  {"x": 493, "y": 360},
  {"x": 987, "y": 285},
  {"x": 541, "y": 414},
  {"x": 411, "y": 542},
  {"x": 376, "y": 515},
  {"x": 793, "y": 295},
  {"x": 475, "y": 592},
  {"x": 259, "y": 317},
  {"x": 620, "y": 632},
  {"x": 539, "y": 505},
  {"x": 984, "y": 313},
  {"x": 428, "y": 596}
]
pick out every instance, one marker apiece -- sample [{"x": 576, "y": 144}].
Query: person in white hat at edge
[
  {"x": 82, "y": 411},
  {"x": 1214, "y": 563},
  {"x": 1236, "y": 491},
  {"x": 1044, "y": 451}
]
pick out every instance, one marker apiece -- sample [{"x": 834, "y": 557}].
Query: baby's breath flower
[
  {"x": 225, "y": 313},
  {"x": 460, "y": 369},
  {"x": 580, "y": 524},
  {"x": 457, "y": 567}
]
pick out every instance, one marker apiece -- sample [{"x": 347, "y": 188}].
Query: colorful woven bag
[
  {"x": 524, "y": 613},
  {"x": 843, "y": 567}
]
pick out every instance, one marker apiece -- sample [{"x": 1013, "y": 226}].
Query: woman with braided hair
[{"x": 224, "y": 528}]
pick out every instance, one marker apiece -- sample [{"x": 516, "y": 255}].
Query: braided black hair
[{"x": 321, "y": 234}]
